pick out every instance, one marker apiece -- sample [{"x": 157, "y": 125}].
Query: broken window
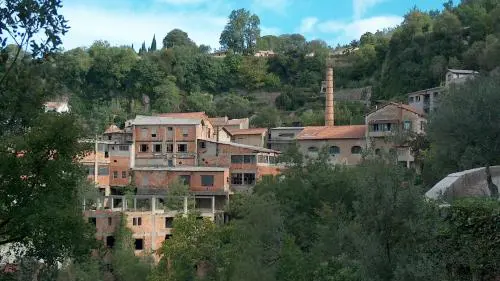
[
  {"x": 169, "y": 222},
  {"x": 203, "y": 144},
  {"x": 182, "y": 147},
  {"x": 124, "y": 174},
  {"x": 356, "y": 150},
  {"x": 110, "y": 220},
  {"x": 207, "y": 180},
  {"x": 110, "y": 241},
  {"x": 185, "y": 179},
  {"x": 144, "y": 148},
  {"x": 237, "y": 178},
  {"x": 137, "y": 221},
  {"x": 157, "y": 148},
  {"x": 168, "y": 236},
  {"x": 93, "y": 220},
  {"x": 334, "y": 150},
  {"x": 153, "y": 133},
  {"x": 236, "y": 159},
  {"x": 139, "y": 244},
  {"x": 103, "y": 171},
  {"x": 185, "y": 132},
  {"x": 249, "y": 178},
  {"x": 115, "y": 174},
  {"x": 170, "y": 147},
  {"x": 170, "y": 128},
  {"x": 123, "y": 147}
]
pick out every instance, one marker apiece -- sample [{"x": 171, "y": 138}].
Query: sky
[{"x": 126, "y": 22}]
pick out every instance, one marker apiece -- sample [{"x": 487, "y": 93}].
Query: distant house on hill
[
  {"x": 268, "y": 53},
  {"x": 61, "y": 106}
]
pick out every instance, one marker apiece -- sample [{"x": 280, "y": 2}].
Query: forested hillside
[{"x": 109, "y": 84}]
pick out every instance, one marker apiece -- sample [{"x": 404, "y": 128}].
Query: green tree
[
  {"x": 168, "y": 97},
  {"x": 153, "y": 44},
  {"x": 177, "y": 38},
  {"x": 459, "y": 143},
  {"x": 267, "y": 117},
  {"x": 241, "y": 32},
  {"x": 143, "y": 48},
  {"x": 233, "y": 106},
  {"x": 199, "y": 101}
]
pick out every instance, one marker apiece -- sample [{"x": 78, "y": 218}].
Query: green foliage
[
  {"x": 241, "y": 32},
  {"x": 268, "y": 117},
  {"x": 233, "y": 106},
  {"x": 153, "y": 44},
  {"x": 177, "y": 38},
  {"x": 126, "y": 265}
]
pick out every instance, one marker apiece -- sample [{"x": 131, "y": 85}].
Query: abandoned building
[{"x": 427, "y": 100}]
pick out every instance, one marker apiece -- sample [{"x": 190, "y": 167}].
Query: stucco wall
[{"x": 345, "y": 145}]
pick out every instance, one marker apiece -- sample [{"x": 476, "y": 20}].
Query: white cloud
[
  {"x": 125, "y": 27},
  {"x": 307, "y": 25},
  {"x": 360, "y": 7},
  {"x": 278, "y": 6},
  {"x": 347, "y": 31}
]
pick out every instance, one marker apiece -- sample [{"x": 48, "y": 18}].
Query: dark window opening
[
  {"x": 110, "y": 241},
  {"x": 115, "y": 174},
  {"x": 334, "y": 150},
  {"x": 182, "y": 147},
  {"x": 139, "y": 244},
  {"x": 207, "y": 180},
  {"x": 93, "y": 220},
  {"x": 153, "y": 135},
  {"x": 109, "y": 137},
  {"x": 312, "y": 149},
  {"x": 170, "y": 128},
  {"x": 199, "y": 218},
  {"x": 157, "y": 148},
  {"x": 203, "y": 144},
  {"x": 249, "y": 159},
  {"x": 169, "y": 222},
  {"x": 144, "y": 148},
  {"x": 103, "y": 171},
  {"x": 185, "y": 179},
  {"x": 137, "y": 221},
  {"x": 356, "y": 150},
  {"x": 237, "y": 179},
  {"x": 110, "y": 220},
  {"x": 170, "y": 147},
  {"x": 124, "y": 174},
  {"x": 168, "y": 236},
  {"x": 236, "y": 159},
  {"x": 106, "y": 154},
  {"x": 248, "y": 179}
]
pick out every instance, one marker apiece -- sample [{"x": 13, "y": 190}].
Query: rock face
[{"x": 470, "y": 183}]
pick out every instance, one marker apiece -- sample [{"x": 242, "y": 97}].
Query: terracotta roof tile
[
  {"x": 335, "y": 132},
  {"x": 253, "y": 131}
]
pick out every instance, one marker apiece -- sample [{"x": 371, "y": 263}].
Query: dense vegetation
[{"x": 316, "y": 221}]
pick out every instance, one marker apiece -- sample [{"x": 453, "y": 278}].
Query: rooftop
[
  {"x": 426, "y": 90},
  {"x": 258, "y": 148},
  {"x": 253, "y": 131},
  {"x": 113, "y": 129},
  {"x": 182, "y": 169},
  {"x": 333, "y": 132},
  {"x": 402, "y": 106},
  {"x": 288, "y": 128},
  {"x": 463, "y": 71},
  {"x": 185, "y": 115},
  {"x": 161, "y": 120}
]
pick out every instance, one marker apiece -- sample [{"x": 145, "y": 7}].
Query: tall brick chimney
[{"x": 329, "y": 108}]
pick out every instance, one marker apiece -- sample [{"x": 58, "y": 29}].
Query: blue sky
[{"x": 125, "y": 22}]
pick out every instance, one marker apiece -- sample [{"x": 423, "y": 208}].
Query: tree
[
  {"x": 177, "y": 38},
  {"x": 233, "y": 106},
  {"x": 241, "y": 32},
  {"x": 153, "y": 44},
  {"x": 463, "y": 133},
  {"x": 168, "y": 97},
  {"x": 199, "y": 101},
  {"x": 143, "y": 49},
  {"x": 267, "y": 117}
]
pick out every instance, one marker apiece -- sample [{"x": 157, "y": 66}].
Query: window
[
  {"x": 103, "y": 171},
  {"x": 115, "y": 174},
  {"x": 312, "y": 149},
  {"x": 249, "y": 159},
  {"x": 144, "y": 133},
  {"x": 236, "y": 159},
  {"x": 377, "y": 151},
  {"x": 262, "y": 159},
  {"x": 110, "y": 220},
  {"x": 407, "y": 125},
  {"x": 203, "y": 144},
  {"x": 168, "y": 236},
  {"x": 144, "y": 148},
  {"x": 137, "y": 221},
  {"x": 387, "y": 127},
  {"x": 124, "y": 174},
  {"x": 422, "y": 125},
  {"x": 286, "y": 135},
  {"x": 411, "y": 99},
  {"x": 110, "y": 241},
  {"x": 153, "y": 133},
  {"x": 109, "y": 137},
  {"x": 139, "y": 244},
  {"x": 170, "y": 162},
  {"x": 157, "y": 148},
  {"x": 356, "y": 149},
  {"x": 249, "y": 179},
  {"x": 334, "y": 150},
  {"x": 145, "y": 180},
  {"x": 123, "y": 147},
  {"x": 170, "y": 147},
  {"x": 185, "y": 179},
  {"x": 207, "y": 180},
  {"x": 170, "y": 128},
  {"x": 93, "y": 220},
  {"x": 417, "y": 98},
  {"x": 375, "y": 128},
  {"x": 90, "y": 170},
  {"x": 185, "y": 132},
  {"x": 237, "y": 178},
  {"x": 169, "y": 222},
  {"x": 182, "y": 147},
  {"x": 436, "y": 94}
]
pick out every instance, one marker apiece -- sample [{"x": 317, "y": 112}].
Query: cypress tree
[
  {"x": 143, "y": 49},
  {"x": 153, "y": 44}
]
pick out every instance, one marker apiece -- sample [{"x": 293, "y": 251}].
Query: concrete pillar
[
  {"x": 153, "y": 204},
  {"x": 213, "y": 206},
  {"x": 135, "y": 203},
  {"x": 185, "y": 205},
  {"x": 124, "y": 203}
]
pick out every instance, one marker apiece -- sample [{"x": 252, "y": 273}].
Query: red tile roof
[
  {"x": 187, "y": 115},
  {"x": 401, "y": 105},
  {"x": 252, "y": 131},
  {"x": 335, "y": 132}
]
